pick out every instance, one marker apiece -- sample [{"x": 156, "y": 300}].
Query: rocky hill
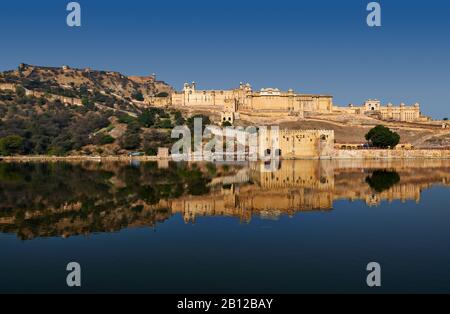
[
  {"x": 80, "y": 83},
  {"x": 41, "y": 123}
]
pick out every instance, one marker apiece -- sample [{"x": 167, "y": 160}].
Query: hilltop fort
[{"x": 272, "y": 102}]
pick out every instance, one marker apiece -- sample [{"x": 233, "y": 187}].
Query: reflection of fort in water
[
  {"x": 299, "y": 186},
  {"x": 243, "y": 192}
]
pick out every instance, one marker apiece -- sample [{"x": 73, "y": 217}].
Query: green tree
[
  {"x": 162, "y": 94},
  {"x": 138, "y": 96},
  {"x": 147, "y": 118},
  {"x": 382, "y": 137},
  {"x": 150, "y": 151},
  {"x": 125, "y": 118},
  {"x": 132, "y": 138},
  {"x": 10, "y": 145},
  {"x": 164, "y": 124},
  {"x": 179, "y": 120},
  {"x": 106, "y": 139},
  {"x": 87, "y": 103},
  {"x": 20, "y": 91}
]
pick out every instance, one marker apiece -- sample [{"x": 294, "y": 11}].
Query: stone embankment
[
  {"x": 80, "y": 158},
  {"x": 338, "y": 154},
  {"x": 391, "y": 154}
]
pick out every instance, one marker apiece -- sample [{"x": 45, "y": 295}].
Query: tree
[
  {"x": 138, "y": 96},
  {"x": 179, "y": 120},
  {"x": 150, "y": 151},
  {"x": 20, "y": 91},
  {"x": 87, "y": 103},
  {"x": 382, "y": 137},
  {"x": 445, "y": 119},
  {"x": 147, "y": 118},
  {"x": 131, "y": 139},
  {"x": 164, "y": 124},
  {"x": 106, "y": 139},
  {"x": 125, "y": 118},
  {"x": 162, "y": 94},
  {"x": 11, "y": 144}
]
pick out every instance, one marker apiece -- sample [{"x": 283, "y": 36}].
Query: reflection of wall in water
[
  {"x": 313, "y": 174},
  {"x": 402, "y": 192},
  {"x": 306, "y": 185},
  {"x": 253, "y": 201}
]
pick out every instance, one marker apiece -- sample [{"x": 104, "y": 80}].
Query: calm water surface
[{"x": 310, "y": 226}]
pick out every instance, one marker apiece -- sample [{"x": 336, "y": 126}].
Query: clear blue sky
[{"x": 313, "y": 46}]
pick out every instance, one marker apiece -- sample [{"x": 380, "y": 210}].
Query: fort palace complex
[
  {"x": 271, "y": 102},
  {"x": 243, "y": 103}
]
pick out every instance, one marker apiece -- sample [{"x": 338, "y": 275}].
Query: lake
[{"x": 164, "y": 227}]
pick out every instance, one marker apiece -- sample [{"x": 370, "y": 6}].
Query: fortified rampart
[{"x": 65, "y": 100}]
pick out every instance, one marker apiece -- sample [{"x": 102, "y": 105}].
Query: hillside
[
  {"x": 109, "y": 88},
  {"x": 31, "y": 125}
]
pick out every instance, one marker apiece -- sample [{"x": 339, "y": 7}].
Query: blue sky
[{"x": 313, "y": 46}]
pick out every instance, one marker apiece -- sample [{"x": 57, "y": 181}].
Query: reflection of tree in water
[
  {"x": 47, "y": 199},
  {"x": 382, "y": 180}
]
